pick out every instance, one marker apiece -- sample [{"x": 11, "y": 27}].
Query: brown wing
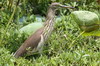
[{"x": 32, "y": 42}]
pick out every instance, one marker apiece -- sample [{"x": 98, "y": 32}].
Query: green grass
[
  {"x": 58, "y": 50},
  {"x": 65, "y": 47}
]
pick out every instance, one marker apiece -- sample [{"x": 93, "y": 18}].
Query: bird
[{"x": 36, "y": 41}]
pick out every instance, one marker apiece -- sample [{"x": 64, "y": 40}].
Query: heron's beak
[{"x": 64, "y": 6}]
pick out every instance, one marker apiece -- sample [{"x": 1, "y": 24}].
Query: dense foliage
[{"x": 65, "y": 46}]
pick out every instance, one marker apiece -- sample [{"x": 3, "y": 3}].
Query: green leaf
[
  {"x": 87, "y": 22},
  {"x": 31, "y": 28},
  {"x": 92, "y": 33}
]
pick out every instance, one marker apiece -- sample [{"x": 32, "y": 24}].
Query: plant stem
[{"x": 76, "y": 39}]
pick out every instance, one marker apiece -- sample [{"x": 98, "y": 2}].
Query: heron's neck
[
  {"x": 50, "y": 13},
  {"x": 50, "y": 16},
  {"x": 49, "y": 24}
]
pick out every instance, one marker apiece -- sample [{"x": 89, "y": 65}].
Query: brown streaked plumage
[
  {"x": 36, "y": 41},
  {"x": 32, "y": 42}
]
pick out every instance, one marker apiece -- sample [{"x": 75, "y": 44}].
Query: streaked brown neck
[
  {"x": 49, "y": 24},
  {"x": 50, "y": 14}
]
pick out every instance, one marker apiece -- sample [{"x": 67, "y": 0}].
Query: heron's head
[{"x": 58, "y": 5}]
